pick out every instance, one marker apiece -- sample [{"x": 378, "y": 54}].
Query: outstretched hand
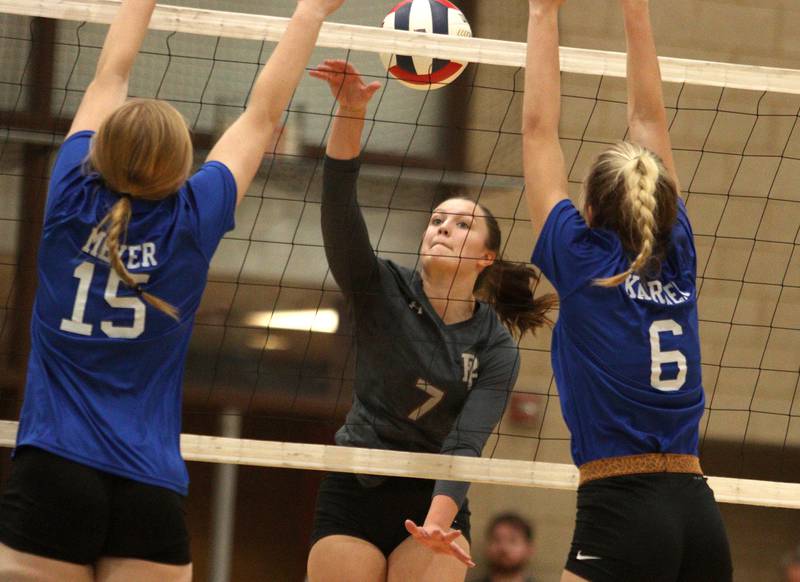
[
  {"x": 346, "y": 84},
  {"x": 440, "y": 541}
]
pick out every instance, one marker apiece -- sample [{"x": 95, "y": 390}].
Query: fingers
[
  {"x": 462, "y": 556},
  {"x": 341, "y": 65},
  {"x": 451, "y": 536},
  {"x": 322, "y": 71},
  {"x": 440, "y": 542},
  {"x": 436, "y": 535},
  {"x": 413, "y": 528}
]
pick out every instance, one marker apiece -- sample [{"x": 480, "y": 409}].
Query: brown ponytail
[
  {"x": 116, "y": 225},
  {"x": 508, "y": 287}
]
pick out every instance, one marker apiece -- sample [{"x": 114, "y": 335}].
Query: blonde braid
[
  {"x": 644, "y": 207},
  {"x": 117, "y": 221},
  {"x": 640, "y": 175}
]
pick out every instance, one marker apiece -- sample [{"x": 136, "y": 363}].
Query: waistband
[{"x": 639, "y": 464}]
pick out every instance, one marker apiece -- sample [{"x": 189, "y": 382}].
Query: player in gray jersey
[{"x": 434, "y": 367}]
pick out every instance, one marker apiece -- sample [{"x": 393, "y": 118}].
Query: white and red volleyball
[{"x": 432, "y": 16}]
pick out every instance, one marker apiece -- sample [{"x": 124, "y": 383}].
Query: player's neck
[{"x": 450, "y": 295}]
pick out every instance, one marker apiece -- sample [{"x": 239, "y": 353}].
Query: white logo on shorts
[{"x": 582, "y": 556}]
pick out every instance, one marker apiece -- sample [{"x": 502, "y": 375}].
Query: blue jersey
[
  {"x": 105, "y": 369},
  {"x": 626, "y": 359}
]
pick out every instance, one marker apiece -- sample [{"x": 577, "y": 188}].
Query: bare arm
[
  {"x": 243, "y": 145},
  {"x": 543, "y": 160},
  {"x": 436, "y": 534},
  {"x": 647, "y": 118},
  {"x": 109, "y": 88}
]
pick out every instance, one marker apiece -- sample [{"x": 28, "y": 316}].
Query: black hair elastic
[{"x": 138, "y": 289}]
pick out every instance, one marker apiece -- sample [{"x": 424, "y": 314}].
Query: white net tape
[
  {"x": 283, "y": 455},
  {"x": 373, "y": 39}
]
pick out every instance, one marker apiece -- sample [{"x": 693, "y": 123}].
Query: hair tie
[{"x": 138, "y": 289}]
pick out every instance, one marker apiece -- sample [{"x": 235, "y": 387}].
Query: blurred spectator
[
  {"x": 791, "y": 566},
  {"x": 509, "y": 548}
]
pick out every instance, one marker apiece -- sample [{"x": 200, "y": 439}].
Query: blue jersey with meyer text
[
  {"x": 626, "y": 359},
  {"x": 105, "y": 369}
]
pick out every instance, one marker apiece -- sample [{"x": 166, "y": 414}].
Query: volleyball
[{"x": 432, "y": 16}]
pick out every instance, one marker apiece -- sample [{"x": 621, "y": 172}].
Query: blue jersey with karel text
[
  {"x": 105, "y": 369},
  {"x": 626, "y": 359}
]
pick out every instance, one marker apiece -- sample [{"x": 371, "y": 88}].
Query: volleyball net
[{"x": 273, "y": 340}]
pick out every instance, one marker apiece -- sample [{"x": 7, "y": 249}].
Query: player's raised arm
[
  {"x": 647, "y": 118},
  {"x": 242, "y": 147},
  {"x": 344, "y": 233},
  {"x": 543, "y": 160},
  {"x": 109, "y": 88}
]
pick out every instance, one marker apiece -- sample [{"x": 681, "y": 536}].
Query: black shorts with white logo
[
  {"x": 376, "y": 513},
  {"x": 662, "y": 527},
  {"x": 58, "y": 509}
]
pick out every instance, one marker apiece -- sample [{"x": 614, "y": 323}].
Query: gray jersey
[{"x": 420, "y": 385}]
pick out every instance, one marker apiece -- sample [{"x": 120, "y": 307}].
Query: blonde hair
[
  {"x": 142, "y": 150},
  {"x": 630, "y": 192}
]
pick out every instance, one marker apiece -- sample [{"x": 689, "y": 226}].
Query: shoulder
[
  {"x": 69, "y": 176},
  {"x": 211, "y": 190},
  {"x": 681, "y": 250},
  {"x": 498, "y": 341},
  {"x": 402, "y": 274},
  {"x": 213, "y": 174},
  {"x": 682, "y": 228},
  {"x": 72, "y": 156},
  {"x": 78, "y": 140},
  {"x": 566, "y": 230}
]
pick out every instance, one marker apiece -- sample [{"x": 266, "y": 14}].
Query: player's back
[
  {"x": 626, "y": 358},
  {"x": 105, "y": 372}
]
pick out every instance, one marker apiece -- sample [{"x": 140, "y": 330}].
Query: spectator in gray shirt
[{"x": 436, "y": 361}]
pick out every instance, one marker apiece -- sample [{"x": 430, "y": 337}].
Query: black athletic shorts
[
  {"x": 663, "y": 527},
  {"x": 59, "y": 509},
  {"x": 376, "y": 514}
]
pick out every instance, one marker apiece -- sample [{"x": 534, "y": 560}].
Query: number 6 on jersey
[{"x": 658, "y": 357}]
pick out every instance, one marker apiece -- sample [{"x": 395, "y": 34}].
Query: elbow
[
  {"x": 106, "y": 81},
  {"x": 642, "y": 117},
  {"x": 259, "y": 117},
  {"x": 536, "y": 125},
  {"x": 272, "y": 119}
]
